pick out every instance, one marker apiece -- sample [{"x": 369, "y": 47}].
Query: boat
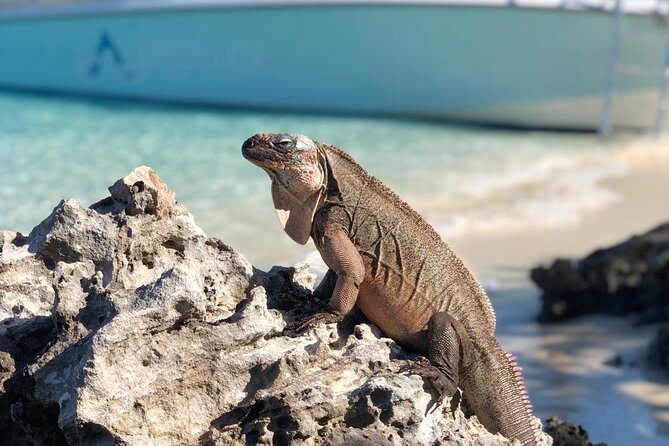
[{"x": 535, "y": 64}]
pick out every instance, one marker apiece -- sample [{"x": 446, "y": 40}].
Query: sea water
[{"x": 464, "y": 180}]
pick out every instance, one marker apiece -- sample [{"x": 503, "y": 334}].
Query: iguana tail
[{"x": 494, "y": 387}]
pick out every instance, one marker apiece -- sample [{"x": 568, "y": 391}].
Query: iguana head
[{"x": 291, "y": 161}]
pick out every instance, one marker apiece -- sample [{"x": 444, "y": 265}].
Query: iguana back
[{"x": 411, "y": 273}]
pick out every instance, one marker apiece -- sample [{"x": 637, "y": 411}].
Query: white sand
[{"x": 643, "y": 204}]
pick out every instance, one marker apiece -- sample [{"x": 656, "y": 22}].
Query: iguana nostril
[{"x": 249, "y": 143}]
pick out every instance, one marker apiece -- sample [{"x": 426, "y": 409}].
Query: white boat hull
[{"x": 493, "y": 65}]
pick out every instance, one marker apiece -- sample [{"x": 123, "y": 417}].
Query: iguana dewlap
[{"x": 385, "y": 258}]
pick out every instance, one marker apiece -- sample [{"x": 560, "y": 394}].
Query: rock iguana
[{"x": 384, "y": 258}]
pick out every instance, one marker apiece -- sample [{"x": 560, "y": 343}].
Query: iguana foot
[
  {"x": 443, "y": 386},
  {"x": 310, "y": 321},
  {"x": 447, "y": 356}
]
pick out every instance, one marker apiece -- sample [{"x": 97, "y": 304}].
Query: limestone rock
[{"x": 123, "y": 323}]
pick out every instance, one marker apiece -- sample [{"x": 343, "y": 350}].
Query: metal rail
[
  {"x": 617, "y": 68},
  {"x": 663, "y": 102},
  {"x": 606, "y": 121}
]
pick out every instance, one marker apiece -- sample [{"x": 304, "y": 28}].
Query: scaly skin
[{"x": 386, "y": 259}]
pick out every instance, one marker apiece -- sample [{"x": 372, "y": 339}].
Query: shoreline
[{"x": 639, "y": 209}]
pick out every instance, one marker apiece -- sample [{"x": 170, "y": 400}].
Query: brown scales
[{"x": 386, "y": 259}]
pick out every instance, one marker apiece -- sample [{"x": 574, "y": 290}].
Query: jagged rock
[
  {"x": 123, "y": 323},
  {"x": 632, "y": 276},
  {"x": 568, "y": 434}
]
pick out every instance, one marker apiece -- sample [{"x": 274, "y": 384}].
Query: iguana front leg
[
  {"x": 346, "y": 272},
  {"x": 325, "y": 289}
]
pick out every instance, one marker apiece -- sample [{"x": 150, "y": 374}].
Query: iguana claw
[{"x": 435, "y": 378}]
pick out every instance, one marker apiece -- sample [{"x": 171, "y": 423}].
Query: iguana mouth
[
  {"x": 260, "y": 152},
  {"x": 266, "y": 151}
]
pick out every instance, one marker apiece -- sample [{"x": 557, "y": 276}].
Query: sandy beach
[{"x": 642, "y": 203}]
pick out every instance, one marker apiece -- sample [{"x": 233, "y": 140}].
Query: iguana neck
[{"x": 344, "y": 178}]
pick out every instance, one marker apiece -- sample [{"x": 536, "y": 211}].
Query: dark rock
[
  {"x": 616, "y": 361},
  {"x": 659, "y": 348},
  {"x": 631, "y": 277},
  {"x": 565, "y": 433}
]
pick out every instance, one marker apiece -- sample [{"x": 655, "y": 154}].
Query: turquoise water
[{"x": 464, "y": 180}]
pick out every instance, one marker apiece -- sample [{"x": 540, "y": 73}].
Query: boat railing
[
  {"x": 663, "y": 101},
  {"x": 629, "y": 6},
  {"x": 619, "y": 68}
]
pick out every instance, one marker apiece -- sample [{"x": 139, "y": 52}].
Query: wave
[{"x": 554, "y": 189}]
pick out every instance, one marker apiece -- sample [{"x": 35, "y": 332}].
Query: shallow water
[{"x": 464, "y": 180}]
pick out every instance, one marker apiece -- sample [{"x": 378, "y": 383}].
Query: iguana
[{"x": 383, "y": 257}]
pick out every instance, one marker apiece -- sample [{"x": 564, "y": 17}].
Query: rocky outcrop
[
  {"x": 565, "y": 433},
  {"x": 124, "y": 324},
  {"x": 631, "y": 277}
]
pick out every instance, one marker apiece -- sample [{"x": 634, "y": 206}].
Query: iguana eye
[{"x": 285, "y": 143}]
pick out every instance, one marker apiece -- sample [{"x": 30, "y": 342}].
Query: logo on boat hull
[{"x": 108, "y": 57}]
